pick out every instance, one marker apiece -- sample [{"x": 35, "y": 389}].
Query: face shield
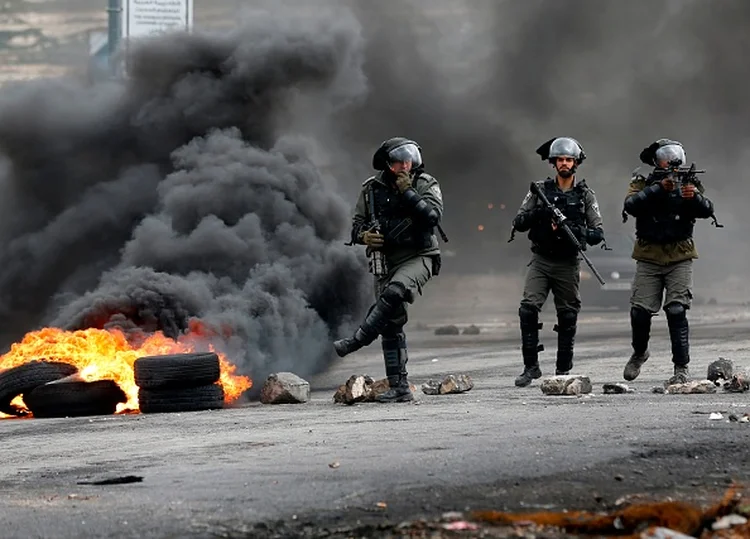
[
  {"x": 565, "y": 147},
  {"x": 670, "y": 155},
  {"x": 407, "y": 152}
]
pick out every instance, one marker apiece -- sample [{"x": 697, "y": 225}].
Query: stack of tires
[{"x": 178, "y": 383}]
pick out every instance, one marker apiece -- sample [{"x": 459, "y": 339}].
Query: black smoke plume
[{"x": 181, "y": 194}]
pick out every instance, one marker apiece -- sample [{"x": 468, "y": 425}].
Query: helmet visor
[
  {"x": 408, "y": 152},
  {"x": 565, "y": 147},
  {"x": 671, "y": 154}
]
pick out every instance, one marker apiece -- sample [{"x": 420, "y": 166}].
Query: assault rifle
[
  {"x": 560, "y": 221},
  {"x": 376, "y": 257},
  {"x": 682, "y": 176}
]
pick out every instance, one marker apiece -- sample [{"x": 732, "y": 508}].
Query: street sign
[{"x": 142, "y": 18}]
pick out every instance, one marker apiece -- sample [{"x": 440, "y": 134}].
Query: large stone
[
  {"x": 362, "y": 388},
  {"x": 566, "y": 385},
  {"x": 452, "y": 383},
  {"x": 692, "y": 387},
  {"x": 721, "y": 369},
  {"x": 285, "y": 388}
]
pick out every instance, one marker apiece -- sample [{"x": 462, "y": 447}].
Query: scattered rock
[
  {"x": 447, "y": 330},
  {"x": 720, "y": 369},
  {"x": 693, "y": 387},
  {"x": 452, "y": 383},
  {"x": 715, "y": 416},
  {"x": 362, "y": 388},
  {"x": 471, "y": 330},
  {"x": 663, "y": 533},
  {"x": 658, "y": 389},
  {"x": 566, "y": 385},
  {"x": 739, "y": 383},
  {"x": 617, "y": 389},
  {"x": 726, "y": 522},
  {"x": 285, "y": 388}
]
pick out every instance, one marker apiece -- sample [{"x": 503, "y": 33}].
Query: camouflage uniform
[
  {"x": 664, "y": 252},
  {"x": 412, "y": 256}
]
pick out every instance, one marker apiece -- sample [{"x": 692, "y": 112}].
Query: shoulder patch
[{"x": 435, "y": 190}]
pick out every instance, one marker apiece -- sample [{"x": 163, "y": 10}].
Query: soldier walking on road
[
  {"x": 555, "y": 264},
  {"x": 664, "y": 251},
  {"x": 395, "y": 217}
]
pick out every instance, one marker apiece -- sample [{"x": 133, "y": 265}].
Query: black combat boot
[
  {"x": 375, "y": 321},
  {"x": 566, "y": 336},
  {"x": 679, "y": 334},
  {"x": 395, "y": 356},
  {"x": 530, "y": 346},
  {"x": 640, "y": 324}
]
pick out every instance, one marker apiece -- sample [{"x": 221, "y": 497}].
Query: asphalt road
[{"x": 221, "y": 473}]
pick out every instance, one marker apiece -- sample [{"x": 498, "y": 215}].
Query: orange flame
[{"x": 107, "y": 355}]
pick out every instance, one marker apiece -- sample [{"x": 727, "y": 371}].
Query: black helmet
[
  {"x": 664, "y": 149},
  {"x": 397, "y": 149},
  {"x": 561, "y": 147}
]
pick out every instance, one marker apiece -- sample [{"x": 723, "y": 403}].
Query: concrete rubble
[
  {"x": 285, "y": 388},
  {"x": 566, "y": 385},
  {"x": 362, "y": 388},
  {"x": 692, "y": 387},
  {"x": 452, "y": 383},
  {"x": 738, "y": 383},
  {"x": 617, "y": 389}
]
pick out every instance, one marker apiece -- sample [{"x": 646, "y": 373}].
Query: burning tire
[
  {"x": 176, "y": 371},
  {"x": 24, "y": 378},
  {"x": 75, "y": 399},
  {"x": 193, "y": 399}
]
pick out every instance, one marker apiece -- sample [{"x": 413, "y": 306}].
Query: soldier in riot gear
[
  {"x": 407, "y": 205},
  {"x": 555, "y": 264},
  {"x": 665, "y": 216}
]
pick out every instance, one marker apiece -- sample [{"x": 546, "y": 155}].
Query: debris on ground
[
  {"x": 471, "y": 330},
  {"x": 452, "y": 383},
  {"x": 738, "y": 383},
  {"x": 617, "y": 389},
  {"x": 715, "y": 416},
  {"x": 692, "y": 387},
  {"x": 447, "y": 330},
  {"x": 362, "y": 388},
  {"x": 570, "y": 384},
  {"x": 122, "y": 480},
  {"x": 721, "y": 369},
  {"x": 639, "y": 520},
  {"x": 285, "y": 388}
]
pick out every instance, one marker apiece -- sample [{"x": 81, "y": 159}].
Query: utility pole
[{"x": 114, "y": 11}]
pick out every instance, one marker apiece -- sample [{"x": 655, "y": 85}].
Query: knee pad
[
  {"x": 675, "y": 311},
  {"x": 567, "y": 319},
  {"x": 394, "y": 294},
  {"x": 528, "y": 315},
  {"x": 639, "y": 315}
]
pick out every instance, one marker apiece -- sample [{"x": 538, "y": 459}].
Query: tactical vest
[
  {"x": 665, "y": 222},
  {"x": 396, "y": 220},
  {"x": 572, "y": 204}
]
